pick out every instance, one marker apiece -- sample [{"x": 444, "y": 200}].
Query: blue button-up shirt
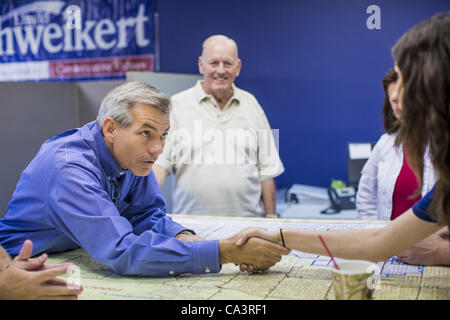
[{"x": 74, "y": 194}]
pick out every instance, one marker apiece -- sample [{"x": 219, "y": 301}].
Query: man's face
[
  {"x": 219, "y": 66},
  {"x": 137, "y": 146}
]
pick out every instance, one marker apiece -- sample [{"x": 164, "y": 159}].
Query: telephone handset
[{"x": 340, "y": 199}]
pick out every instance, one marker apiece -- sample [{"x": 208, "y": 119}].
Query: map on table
[{"x": 297, "y": 276}]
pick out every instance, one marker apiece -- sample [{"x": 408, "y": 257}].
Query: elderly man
[
  {"x": 220, "y": 147},
  {"x": 93, "y": 188}
]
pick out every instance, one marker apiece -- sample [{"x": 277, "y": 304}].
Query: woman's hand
[{"x": 273, "y": 236}]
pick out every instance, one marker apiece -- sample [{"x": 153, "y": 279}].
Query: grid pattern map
[{"x": 297, "y": 276}]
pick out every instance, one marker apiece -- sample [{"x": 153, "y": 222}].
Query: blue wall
[{"x": 314, "y": 66}]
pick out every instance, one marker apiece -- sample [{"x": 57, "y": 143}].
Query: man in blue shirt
[{"x": 93, "y": 187}]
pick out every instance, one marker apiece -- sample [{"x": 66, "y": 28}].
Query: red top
[{"x": 405, "y": 187}]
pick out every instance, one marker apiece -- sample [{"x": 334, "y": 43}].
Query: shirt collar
[
  {"x": 201, "y": 95},
  {"x": 109, "y": 164}
]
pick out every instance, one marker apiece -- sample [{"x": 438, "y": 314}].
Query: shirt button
[{"x": 109, "y": 178}]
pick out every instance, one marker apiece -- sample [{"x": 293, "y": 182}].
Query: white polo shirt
[{"x": 219, "y": 157}]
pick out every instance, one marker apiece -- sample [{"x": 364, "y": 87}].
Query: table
[{"x": 296, "y": 276}]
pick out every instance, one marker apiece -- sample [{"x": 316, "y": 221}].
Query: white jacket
[{"x": 378, "y": 178}]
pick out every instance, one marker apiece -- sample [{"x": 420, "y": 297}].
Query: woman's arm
[{"x": 366, "y": 244}]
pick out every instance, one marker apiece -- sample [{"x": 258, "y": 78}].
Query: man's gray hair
[{"x": 118, "y": 102}]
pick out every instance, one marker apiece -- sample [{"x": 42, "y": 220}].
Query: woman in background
[{"x": 387, "y": 183}]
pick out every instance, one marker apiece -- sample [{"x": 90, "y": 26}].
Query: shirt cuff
[{"x": 206, "y": 256}]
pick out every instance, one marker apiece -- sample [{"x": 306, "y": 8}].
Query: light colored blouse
[{"x": 378, "y": 178}]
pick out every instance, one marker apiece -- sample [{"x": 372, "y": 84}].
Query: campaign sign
[{"x": 62, "y": 40}]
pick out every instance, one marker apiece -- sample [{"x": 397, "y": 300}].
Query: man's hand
[
  {"x": 26, "y": 278},
  {"x": 255, "y": 254},
  {"x": 431, "y": 251}
]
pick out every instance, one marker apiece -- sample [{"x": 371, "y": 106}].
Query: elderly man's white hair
[{"x": 219, "y": 37}]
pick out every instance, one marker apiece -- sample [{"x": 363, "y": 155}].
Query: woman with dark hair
[
  {"x": 422, "y": 61},
  {"x": 387, "y": 181},
  {"x": 391, "y": 112}
]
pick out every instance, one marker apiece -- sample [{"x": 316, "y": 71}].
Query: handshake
[{"x": 253, "y": 249}]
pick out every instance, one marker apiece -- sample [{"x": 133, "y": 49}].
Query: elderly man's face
[
  {"x": 219, "y": 66},
  {"x": 137, "y": 146}
]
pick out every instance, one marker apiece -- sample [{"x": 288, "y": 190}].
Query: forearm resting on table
[{"x": 432, "y": 251}]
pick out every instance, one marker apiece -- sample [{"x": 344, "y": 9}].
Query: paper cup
[{"x": 354, "y": 280}]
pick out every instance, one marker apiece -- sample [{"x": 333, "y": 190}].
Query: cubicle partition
[{"x": 32, "y": 112}]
